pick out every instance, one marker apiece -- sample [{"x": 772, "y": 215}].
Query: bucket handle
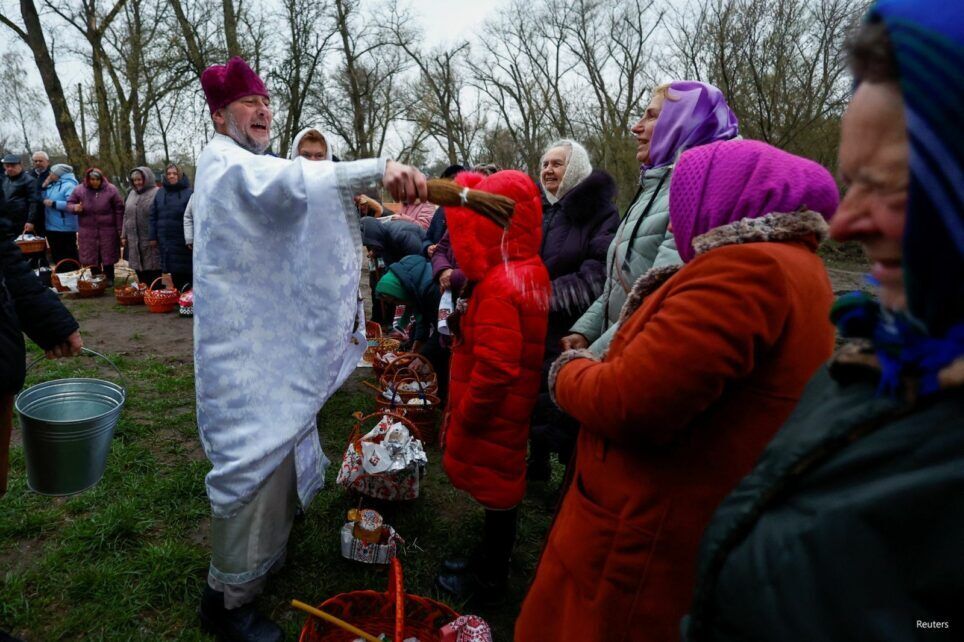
[{"x": 96, "y": 354}]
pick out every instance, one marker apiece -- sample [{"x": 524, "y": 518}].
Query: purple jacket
[
  {"x": 100, "y": 223},
  {"x": 576, "y": 233},
  {"x": 443, "y": 259}
]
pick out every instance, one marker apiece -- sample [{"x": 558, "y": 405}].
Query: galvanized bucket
[{"x": 67, "y": 427}]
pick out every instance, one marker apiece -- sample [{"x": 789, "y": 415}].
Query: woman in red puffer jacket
[{"x": 496, "y": 366}]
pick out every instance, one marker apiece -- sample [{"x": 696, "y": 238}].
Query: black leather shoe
[{"x": 243, "y": 624}]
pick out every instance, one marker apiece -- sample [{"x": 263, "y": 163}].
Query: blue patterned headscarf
[{"x": 927, "y": 39}]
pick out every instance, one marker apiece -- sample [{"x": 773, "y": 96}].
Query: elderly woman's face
[
  {"x": 172, "y": 175},
  {"x": 137, "y": 180},
  {"x": 643, "y": 129},
  {"x": 554, "y": 165},
  {"x": 875, "y": 168},
  {"x": 95, "y": 181}
]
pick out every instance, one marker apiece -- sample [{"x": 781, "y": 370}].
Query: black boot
[
  {"x": 243, "y": 624},
  {"x": 483, "y": 579},
  {"x": 538, "y": 468}
]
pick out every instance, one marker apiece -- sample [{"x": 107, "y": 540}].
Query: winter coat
[
  {"x": 58, "y": 217},
  {"x": 25, "y": 306},
  {"x": 36, "y": 215},
  {"x": 850, "y": 525},
  {"x": 189, "y": 222},
  {"x": 444, "y": 259},
  {"x": 22, "y": 199},
  {"x": 498, "y": 358},
  {"x": 137, "y": 214},
  {"x": 652, "y": 246},
  {"x": 436, "y": 230},
  {"x": 391, "y": 240},
  {"x": 167, "y": 225},
  {"x": 99, "y": 224},
  {"x": 415, "y": 275},
  {"x": 695, "y": 383},
  {"x": 576, "y": 233}
]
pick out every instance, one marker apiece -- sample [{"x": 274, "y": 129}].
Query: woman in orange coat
[
  {"x": 709, "y": 360},
  {"x": 495, "y": 372}
]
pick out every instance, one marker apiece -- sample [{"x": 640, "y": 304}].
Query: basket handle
[
  {"x": 412, "y": 428},
  {"x": 151, "y": 286},
  {"x": 396, "y": 591},
  {"x": 127, "y": 279},
  {"x": 91, "y": 352},
  {"x": 57, "y": 265}
]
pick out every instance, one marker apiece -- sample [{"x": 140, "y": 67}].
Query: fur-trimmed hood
[{"x": 804, "y": 226}]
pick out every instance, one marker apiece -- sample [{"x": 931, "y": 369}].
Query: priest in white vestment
[{"x": 277, "y": 329}]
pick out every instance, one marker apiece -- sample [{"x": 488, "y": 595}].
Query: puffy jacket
[
  {"x": 99, "y": 224},
  {"x": 671, "y": 419},
  {"x": 58, "y": 217},
  {"x": 444, "y": 259},
  {"x": 167, "y": 225},
  {"x": 850, "y": 525},
  {"x": 644, "y": 237},
  {"x": 415, "y": 275},
  {"x": 498, "y": 358},
  {"x": 391, "y": 240},
  {"x": 22, "y": 199}
]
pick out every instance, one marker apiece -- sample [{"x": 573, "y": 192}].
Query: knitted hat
[
  {"x": 60, "y": 169},
  {"x": 223, "y": 84},
  {"x": 389, "y": 285},
  {"x": 727, "y": 181}
]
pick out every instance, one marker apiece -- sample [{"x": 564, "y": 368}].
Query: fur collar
[
  {"x": 592, "y": 196},
  {"x": 772, "y": 228}
]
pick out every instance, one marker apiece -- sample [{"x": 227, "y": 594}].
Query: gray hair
[{"x": 42, "y": 153}]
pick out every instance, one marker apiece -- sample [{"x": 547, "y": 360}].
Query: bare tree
[
  {"x": 33, "y": 35},
  {"x": 21, "y": 99}
]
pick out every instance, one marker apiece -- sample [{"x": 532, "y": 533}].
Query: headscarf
[
  {"x": 329, "y": 146},
  {"x": 389, "y": 285},
  {"x": 694, "y": 113},
  {"x": 95, "y": 170},
  {"x": 578, "y": 168},
  {"x": 927, "y": 40},
  {"x": 727, "y": 181}
]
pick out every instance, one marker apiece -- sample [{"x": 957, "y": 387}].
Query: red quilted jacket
[{"x": 497, "y": 363}]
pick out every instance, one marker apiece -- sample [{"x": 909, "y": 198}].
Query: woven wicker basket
[
  {"x": 126, "y": 294},
  {"x": 160, "y": 301}
]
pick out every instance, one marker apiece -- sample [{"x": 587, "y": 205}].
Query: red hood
[{"x": 478, "y": 242}]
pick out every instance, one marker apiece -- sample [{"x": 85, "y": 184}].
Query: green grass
[{"x": 126, "y": 560}]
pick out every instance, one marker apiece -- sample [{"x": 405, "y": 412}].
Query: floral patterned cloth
[{"x": 277, "y": 322}]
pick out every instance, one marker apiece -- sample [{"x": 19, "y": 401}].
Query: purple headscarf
[
  {"x": 732, "y": 180},
  {"x": 694, "y": 113}
]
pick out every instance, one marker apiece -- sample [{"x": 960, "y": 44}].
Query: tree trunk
[{"x": 231, "y": 28}]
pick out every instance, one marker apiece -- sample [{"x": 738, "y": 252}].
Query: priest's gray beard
[{"x": 241, "y": 138}]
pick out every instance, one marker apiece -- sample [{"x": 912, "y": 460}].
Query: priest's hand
[{"x": 405, "y": 183}]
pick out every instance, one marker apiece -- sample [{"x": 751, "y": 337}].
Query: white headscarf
[
  {"x": 329, "y": 145},
  {"x": 577, "y": 168}
]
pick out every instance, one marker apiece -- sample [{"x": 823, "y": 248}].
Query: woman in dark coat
[
  {"x": 167, "y": 225},
  {"x": 100, "y": 219},
  {"x": 850, "y": 526},
  {"x": 579, "y": 220},
  {"x": 25, "y": 306}
]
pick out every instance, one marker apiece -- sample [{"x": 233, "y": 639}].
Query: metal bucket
[{"x": 67, "y": 427}]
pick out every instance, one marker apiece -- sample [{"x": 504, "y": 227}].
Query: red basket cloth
[{"x": 403, "y": 614}]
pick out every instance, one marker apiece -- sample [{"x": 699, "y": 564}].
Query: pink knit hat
[
  {"x": 223, "y": 84},
  {"x": 727, "y": 181}
]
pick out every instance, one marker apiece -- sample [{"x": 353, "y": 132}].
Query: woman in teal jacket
[{"x": 61, "y": 223}]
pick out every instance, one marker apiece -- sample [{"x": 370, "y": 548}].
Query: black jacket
[
  {"x": 166, "y": 226},
  {"x": 849, "y": 527},
  {"x": 22, "y": 199},
  {"x": 26, "y": 306},
  {"x": 391, "y": 240},
  {"x": 37, "y": 215}
]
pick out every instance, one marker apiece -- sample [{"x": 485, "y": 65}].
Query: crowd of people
[{"x": 727, "y": 475}]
